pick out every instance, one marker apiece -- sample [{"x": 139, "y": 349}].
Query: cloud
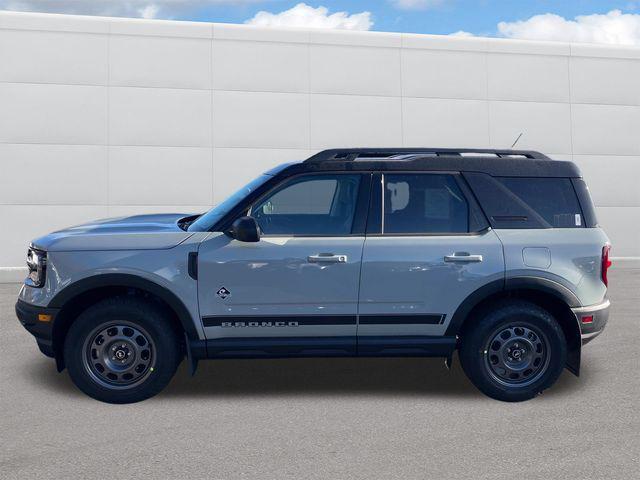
[
  {"x": 461, "y": 33},
  {"x": 150, "y": 11},
  {"x": 416, "y": 4},
  {"x": 117, "y": 8},
  {"x": 302, "y": 15},
  {"x": 615, "y": 28}
]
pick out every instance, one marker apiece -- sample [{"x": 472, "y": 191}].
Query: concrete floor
[{"x": 325, "y": 419}]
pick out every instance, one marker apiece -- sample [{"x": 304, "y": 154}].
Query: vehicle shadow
[
  {"x": 337, "y": 376},
  {"x": 327, "y": 376},
  {"x": 298, "y": 377}
]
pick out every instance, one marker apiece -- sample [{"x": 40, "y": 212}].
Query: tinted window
[
  {"x": 308, "y": 197},
  {"x": 588, "y": 209},
  {"x": 311, "y": 205},
  {"x": 553, "y": 199},
  {"x": 423, "y": 203}
]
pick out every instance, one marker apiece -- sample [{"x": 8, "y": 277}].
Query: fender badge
[{"x": 223, "y": 293}]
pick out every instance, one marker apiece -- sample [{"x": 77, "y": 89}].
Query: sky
[{"x": 593, "y": 21}]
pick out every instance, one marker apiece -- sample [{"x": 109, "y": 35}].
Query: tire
[
  {"x": 122, "y": 350},
  {"x": 513, "y": 351}
]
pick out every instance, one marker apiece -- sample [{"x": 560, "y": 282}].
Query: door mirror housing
[{"x": 245, "y": 229}]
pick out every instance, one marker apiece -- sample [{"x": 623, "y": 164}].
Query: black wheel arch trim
[
  {"x": 509, "y": 284},
  {"x": 545, "y": 285},
  {"x": 129, "y": 281}
]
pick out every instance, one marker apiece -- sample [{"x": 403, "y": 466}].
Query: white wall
[{"x": 106, "y": 117}]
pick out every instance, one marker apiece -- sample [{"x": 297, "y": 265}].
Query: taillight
[
  {"x": 587, "y": 319},
  {"x": 606, "y": 263}
]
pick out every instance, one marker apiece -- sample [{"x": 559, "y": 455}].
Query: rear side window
[
  {"x": 528, "y": 202},
  {"x": 423, "y": 203}
]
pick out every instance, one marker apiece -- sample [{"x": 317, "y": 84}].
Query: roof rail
[{"x": 349, "y": 154}]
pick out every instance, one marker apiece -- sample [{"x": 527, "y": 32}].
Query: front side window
[
  {"x": 309, "y": 205},
  {"x": 423, "y": 203}
]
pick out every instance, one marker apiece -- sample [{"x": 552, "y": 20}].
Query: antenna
[{"x": 514, "y": 143}]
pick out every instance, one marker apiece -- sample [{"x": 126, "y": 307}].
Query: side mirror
[{"x": 245, "y": 229}]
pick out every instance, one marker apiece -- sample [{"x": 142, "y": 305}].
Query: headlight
[{"x": 37, "y": 265}]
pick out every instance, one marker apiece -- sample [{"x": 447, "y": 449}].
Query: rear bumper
[
  {"x": 30, "y": 318},
  {"x": 600, "y": 316}
]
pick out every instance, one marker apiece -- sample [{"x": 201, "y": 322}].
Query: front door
[
  {"x": 296, "y": 290},
  {"x": 427, "y": 250}
]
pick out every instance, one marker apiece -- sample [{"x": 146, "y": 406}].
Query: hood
[{"x": 139, "y": 232}]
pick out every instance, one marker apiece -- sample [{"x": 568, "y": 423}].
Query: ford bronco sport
[{"x": 353, "y": 252}]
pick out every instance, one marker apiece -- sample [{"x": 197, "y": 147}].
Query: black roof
[{"x": 496, "y": 162}]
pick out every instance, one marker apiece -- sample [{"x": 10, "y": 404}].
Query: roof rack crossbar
[{"x": 350, "y": 154}]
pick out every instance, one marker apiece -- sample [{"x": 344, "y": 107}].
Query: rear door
[
  {"x": 298, "y": 285},
  {"x": 427, "y": 248}
]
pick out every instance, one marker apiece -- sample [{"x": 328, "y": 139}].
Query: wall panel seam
[
  {"x": 486, "y": 72},
  {"x": 108, "y": 121},
  {"x": 401, "y": 72},
  {"x": 309, "y": 116},
  {"x": 570, "y": 103},
  {"x": 213, "y": 136},
  {"x": 291, "y": 92}
]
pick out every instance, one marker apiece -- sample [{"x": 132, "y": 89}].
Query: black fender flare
[
  {"x": 539, "y": 284},
  {"x": 546, "y": 285},
  {"x": 128, "y": 281}
]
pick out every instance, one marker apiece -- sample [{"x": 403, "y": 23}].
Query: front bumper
[
  {"x": 39, "y": 322},
  {"x": 599, "y": 314}
]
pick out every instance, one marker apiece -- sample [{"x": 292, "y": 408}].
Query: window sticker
[
  {"x": 578, "y": 220},
  {"x": 399, "y": 195}
]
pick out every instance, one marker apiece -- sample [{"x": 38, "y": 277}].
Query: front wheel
[
  {"x": 513, "y": 351},
  {"x": 122, "y": 350}
]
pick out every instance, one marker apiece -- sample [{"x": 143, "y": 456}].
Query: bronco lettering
[{"x": 258, "y": 324}]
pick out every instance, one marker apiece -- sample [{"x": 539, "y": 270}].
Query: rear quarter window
[
  {"x": 554, "y": 199},
  {"x": 588, "y": 209},
  {"x": 528, "y": 202}
]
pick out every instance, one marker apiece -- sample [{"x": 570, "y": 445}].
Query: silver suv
[{"x": 353, "y": 252}]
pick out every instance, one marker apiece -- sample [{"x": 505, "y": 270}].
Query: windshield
[{"x": 204, "y": 222}]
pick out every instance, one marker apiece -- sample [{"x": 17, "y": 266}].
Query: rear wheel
[
  {"x": 513, "y": 351},
  {"x": 122, "y": 350}
]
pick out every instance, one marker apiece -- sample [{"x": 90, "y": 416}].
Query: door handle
[
  {"x": 327, "y": 258},
  {"x": 462, "y": 257}
]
